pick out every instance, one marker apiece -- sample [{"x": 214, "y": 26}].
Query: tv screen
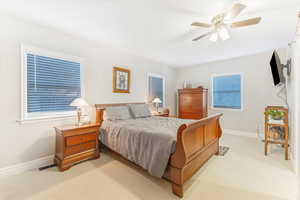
[{"x": 277, "y": 69}]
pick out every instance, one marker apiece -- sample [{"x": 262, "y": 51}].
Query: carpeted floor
[{"x": 243, "y": 173}]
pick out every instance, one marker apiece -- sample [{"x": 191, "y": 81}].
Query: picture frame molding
[{"x": 115, "y": 70}]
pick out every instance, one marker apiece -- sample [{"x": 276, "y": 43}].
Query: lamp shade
[
  {"x": 79, "y": 102},
  {"x": 156, "y": 100}
]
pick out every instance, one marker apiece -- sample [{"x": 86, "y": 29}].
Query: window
[
  {"x": 156, "y": 88},
  {"x": 227, "y": 91},
  {"x": 50, "y": 83}
]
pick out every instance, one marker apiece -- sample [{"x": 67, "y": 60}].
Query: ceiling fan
[{"x": 220, "y": 27}]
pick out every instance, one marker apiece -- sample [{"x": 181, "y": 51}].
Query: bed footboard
[{"x": 196, "y": 143}]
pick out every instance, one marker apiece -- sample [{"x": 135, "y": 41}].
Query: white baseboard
[
  {"x": 242, "y": 133},
  {"x": 26, "y": 166}
]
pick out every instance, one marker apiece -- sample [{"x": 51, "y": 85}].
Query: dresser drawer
[
  {"x": 79, "y": 139},
  {"x": 186, "y": 115},
  {"x": 80, "y": 148}
]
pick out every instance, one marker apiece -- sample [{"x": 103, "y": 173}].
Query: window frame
[
  {"x": 164, "y": 86},
  {"x": 28, "y": 49},
  {"x": 242, "y": 92}
]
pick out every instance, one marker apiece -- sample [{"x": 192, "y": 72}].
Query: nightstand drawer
[
  {"x": 79, "y": 139},
  {"x": 80, "y": 148}
]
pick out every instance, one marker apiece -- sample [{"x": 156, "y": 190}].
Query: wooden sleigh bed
[{"x": 196, "y": 143}]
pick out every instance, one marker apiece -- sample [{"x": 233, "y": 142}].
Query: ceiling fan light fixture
[
  {"x": 220, "y": 28},
  {"x": 224, "y": 34},
  {"x": 213, "y": 37}
]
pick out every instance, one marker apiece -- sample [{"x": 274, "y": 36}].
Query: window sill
[
  {"x": 46, "y": 119},
  {"x": 228, "y": 109}
]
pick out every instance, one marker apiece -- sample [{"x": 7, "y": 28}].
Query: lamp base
[
  {"x": 156, "y": 105},
  {"x": 78, "y": 124},
  {"x": 82, "y": 123}
]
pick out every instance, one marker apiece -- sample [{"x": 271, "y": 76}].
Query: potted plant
[{"x": 275, "y": 114}]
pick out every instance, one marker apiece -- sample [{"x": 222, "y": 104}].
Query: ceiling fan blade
[
  {"x": 247, "y": 22},
  {"x": 201, "y": 24},
  {"x": 235, "y": 11},
  {"x": 202, "y": 36}
]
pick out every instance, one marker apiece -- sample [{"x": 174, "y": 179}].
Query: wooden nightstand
[
  {"x": 75, "y": 144},
  {"x": 161, "y": 114}
]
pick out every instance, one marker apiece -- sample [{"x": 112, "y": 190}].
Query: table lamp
[
  {"x": 78, "y": 103},
  {"x": 156, "y": 101}
]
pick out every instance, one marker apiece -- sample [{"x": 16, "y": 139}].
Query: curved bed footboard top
[{"x": 205, "y": 120}]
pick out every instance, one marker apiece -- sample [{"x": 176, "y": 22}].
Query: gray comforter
[{"x": 147, "y": 142}]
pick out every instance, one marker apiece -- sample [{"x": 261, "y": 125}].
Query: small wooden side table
[
  {"x": 75, "y": 144},
  {"x": 161, "y": 114},
  {"x": 274, "y": 123},
  {"x": 164, "y": 113}
]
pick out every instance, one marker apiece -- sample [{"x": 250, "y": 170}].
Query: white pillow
[
  {"x": 116, "y": 113},
  {"x": 139, "y": 110}
]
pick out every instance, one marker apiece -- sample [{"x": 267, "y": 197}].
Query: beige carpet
[{"x": 244, "y": 173}]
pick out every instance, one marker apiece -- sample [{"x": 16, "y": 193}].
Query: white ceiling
[{"x": 160, "y": 29}]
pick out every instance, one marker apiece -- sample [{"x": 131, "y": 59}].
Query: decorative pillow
[
  {"x": 139, "y": 110},
  {"x": 116, "y": 113}
]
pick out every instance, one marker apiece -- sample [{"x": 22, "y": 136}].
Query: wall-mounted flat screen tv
[{"x": 277, "y": 69}]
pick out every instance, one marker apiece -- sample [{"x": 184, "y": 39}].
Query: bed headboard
[{"x": 101, "y": 107}]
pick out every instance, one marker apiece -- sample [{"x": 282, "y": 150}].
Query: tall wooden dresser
[{"x": 192, "y": 103}]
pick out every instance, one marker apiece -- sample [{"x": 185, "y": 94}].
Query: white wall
[
  {"x": 296, "y": 138},
  {"x": 292, "y": 87},
  {"x": 258, "y": 88},
  {"x": 294, "y": 99},
  {"x": 297, "y": 111},
  {"x": 24, "y": 142}
]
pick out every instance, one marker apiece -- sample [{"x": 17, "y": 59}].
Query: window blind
[
  {"x": 52, "y": 84},
  {"x": 227, "y": 91}
]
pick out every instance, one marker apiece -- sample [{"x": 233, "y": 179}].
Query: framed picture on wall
[{"x": 121, "y": 80}]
